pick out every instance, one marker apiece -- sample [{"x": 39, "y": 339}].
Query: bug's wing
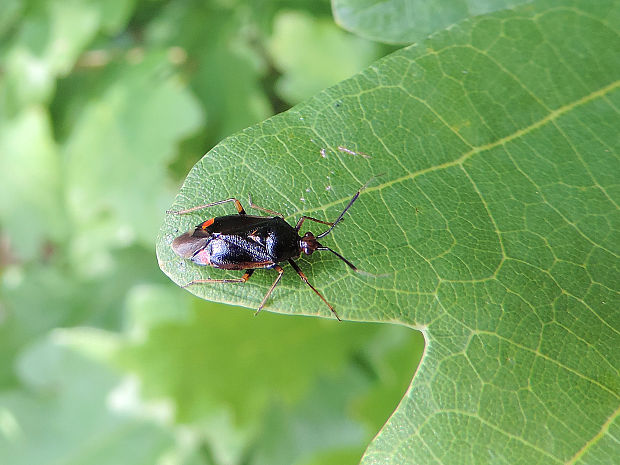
[
  {"x": 241, "y": 225},
  {"x": 186, "y": 245}
]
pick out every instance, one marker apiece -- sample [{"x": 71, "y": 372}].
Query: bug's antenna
[
  {"x": 357, "y": 194},
  {"x": 351, "y": 265}
]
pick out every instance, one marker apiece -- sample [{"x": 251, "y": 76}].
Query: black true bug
[{"x": 247, "y": 242}]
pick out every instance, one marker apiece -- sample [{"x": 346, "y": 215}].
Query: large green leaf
[
  {"x": 407, "y": 21},
  {"x": 495, "y": 219}
]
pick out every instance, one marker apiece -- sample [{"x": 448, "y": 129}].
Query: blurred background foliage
[{"x": 104, "y": 107}]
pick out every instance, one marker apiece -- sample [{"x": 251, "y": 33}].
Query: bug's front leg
[
  {"x": 304, "y": 218},
  {"x": 303, "y": 277}
]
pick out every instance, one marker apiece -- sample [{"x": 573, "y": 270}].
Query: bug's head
[
  {"x": 309, "y": 244},
  {"x": 188, "y": 244}
]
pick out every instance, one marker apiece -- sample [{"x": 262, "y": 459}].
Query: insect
[{"x": 247, "y": 242}]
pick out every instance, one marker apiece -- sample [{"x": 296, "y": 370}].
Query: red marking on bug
[{"x": 207, "y": 223}]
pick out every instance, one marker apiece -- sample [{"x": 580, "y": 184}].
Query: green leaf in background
[
  {"x": 225, "y": 71},
  {"x": 38, "y": 425},
  {"x": 47, "y": 44},
  {"x": 331, "y": 54},
  {"x": 35, "y": 298},
  {"x": 407, "y": 21},
  {"x": 239, "y": 384},
  {"x": 29, "y": 157},
  {"x": 107, "y": 187},
  {"x": 496, "y": 219},
  {"x": 9, "y": 13},
  {"x": 204, "y": 361}
]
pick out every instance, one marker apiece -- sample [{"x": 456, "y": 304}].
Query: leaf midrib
[{"x": 552, "y": 116}]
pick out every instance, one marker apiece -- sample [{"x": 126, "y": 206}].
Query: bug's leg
[
  {"x": 279, "y": 269},
  {"x": 303, "y": 277},
  {"x": 304, "y": 218},
  {"x": 242, "y": 279},
  {"x": 240, "y": 209},
  {"x": 266, "y": 210}
]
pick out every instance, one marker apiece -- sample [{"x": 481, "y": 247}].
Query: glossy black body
[
  {"x": 240, "y": 242},
  {"x": 247, "y": 242}
]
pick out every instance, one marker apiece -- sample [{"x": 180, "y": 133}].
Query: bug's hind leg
[
  {"x": 303, "y": 277},
  {"x": 238, "y": 206},
  {"x": 242, "y": 279}
]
